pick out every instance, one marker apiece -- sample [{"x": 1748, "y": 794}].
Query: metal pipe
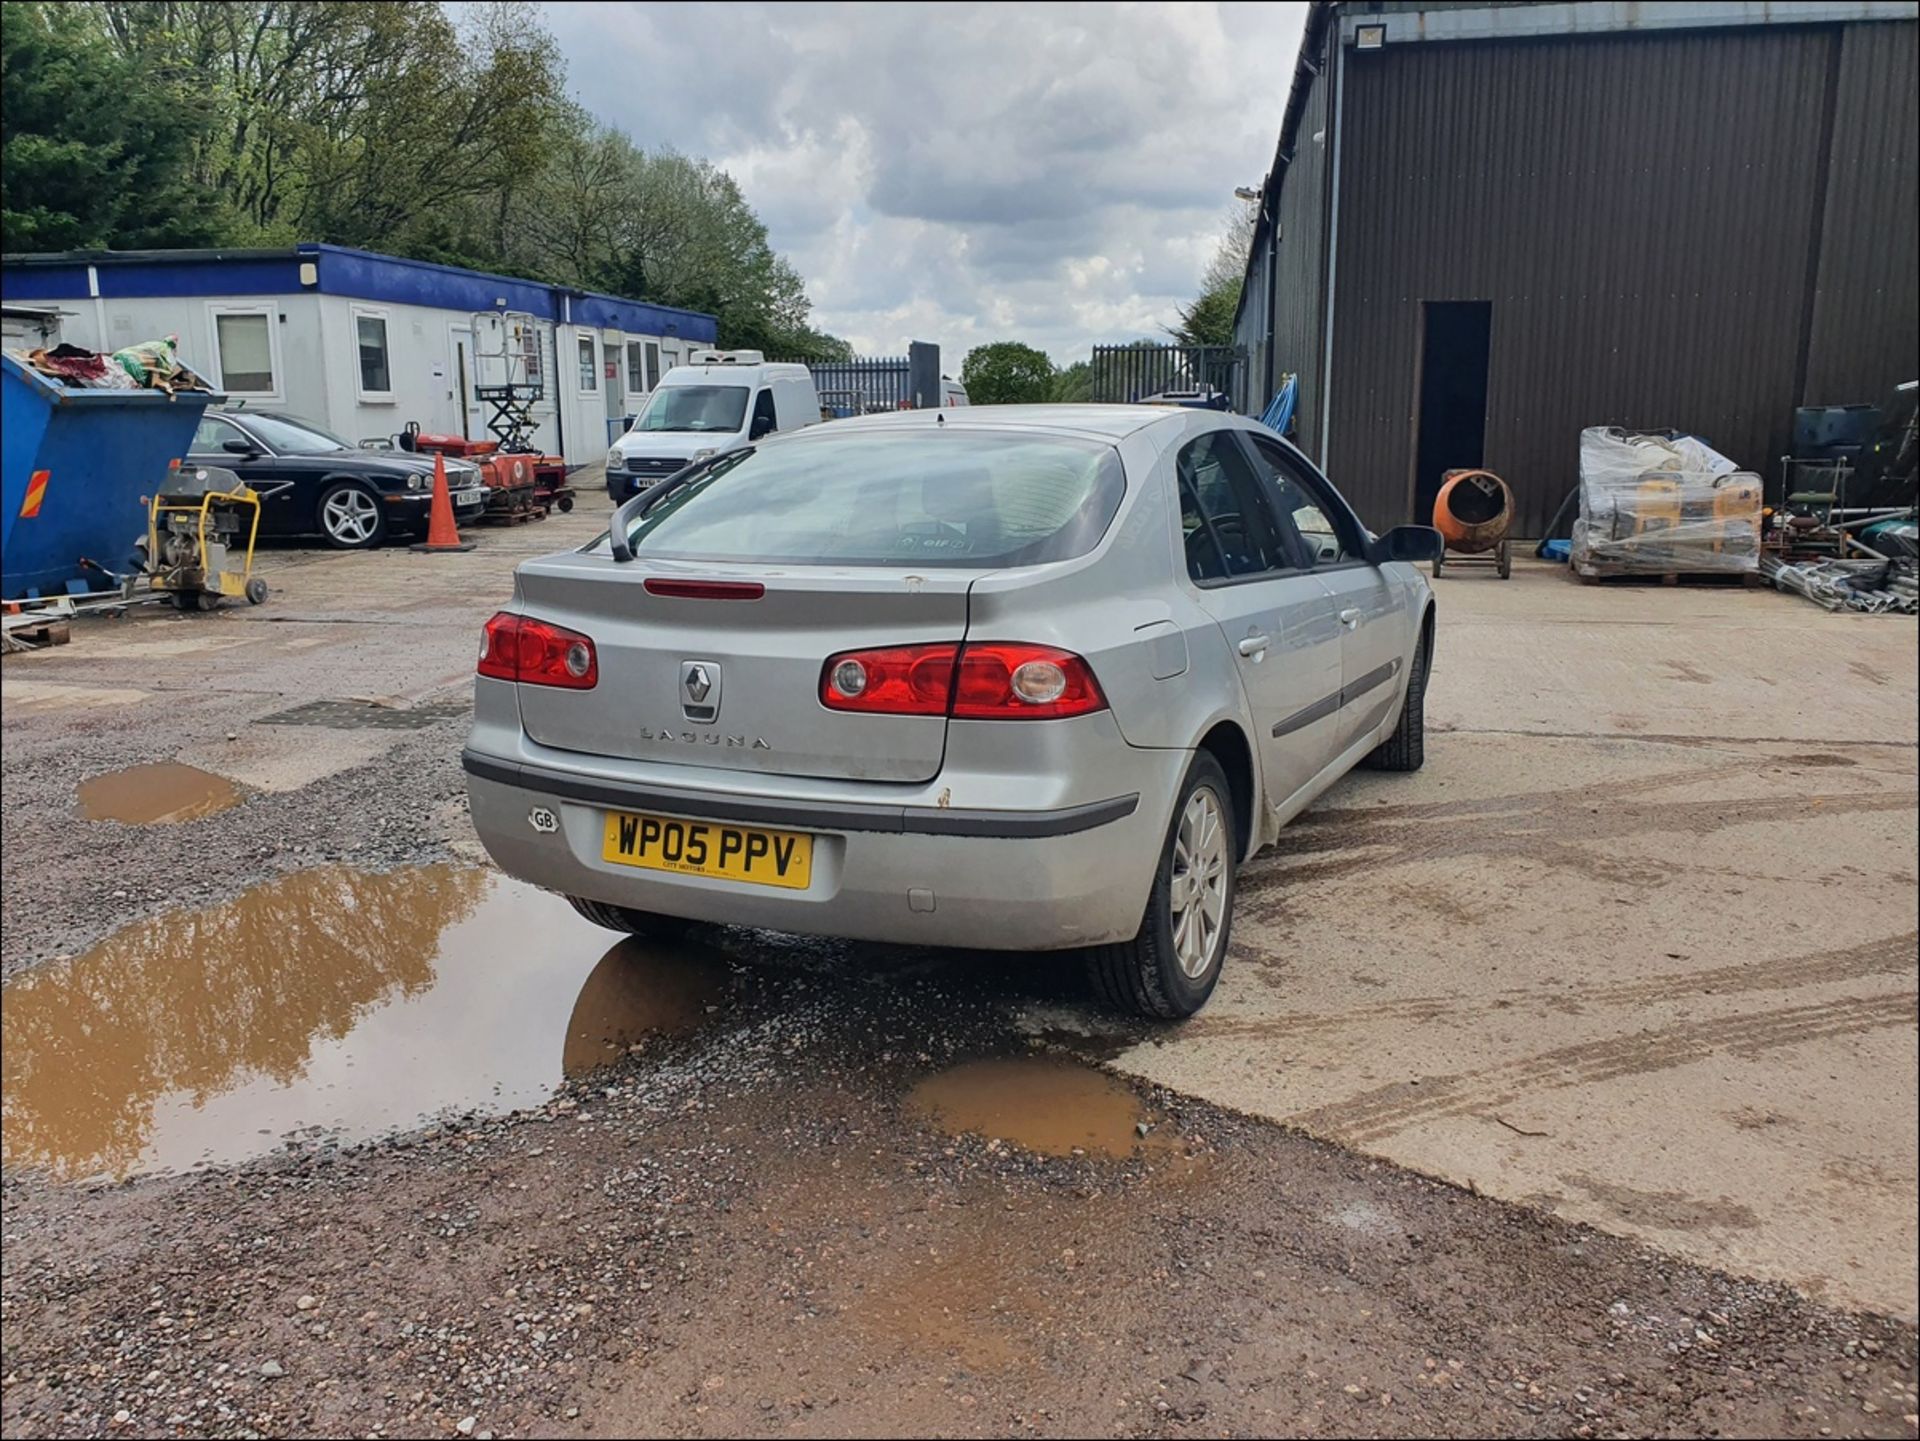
[{"x": 1336, "y": 72}]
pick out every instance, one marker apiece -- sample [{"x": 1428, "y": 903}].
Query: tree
[
  {"x": 1007, "y": 373},
  {"x": 1073, "y": 385},
  {"x": 1208, "y": 320},
  {"x": 348, "y": 120},
  {"x": 93, "y": 150},
  {"x": 426, "y": 130}
]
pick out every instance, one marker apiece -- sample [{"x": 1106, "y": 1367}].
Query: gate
[
  {"x": 869, "y": 385},
  {"x": 1124, "y": 374}
]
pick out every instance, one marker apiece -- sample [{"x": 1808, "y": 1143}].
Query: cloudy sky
[{"x": 1057, "y": 174}]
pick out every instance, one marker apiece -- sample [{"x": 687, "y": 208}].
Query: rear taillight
[
  {"x": 535, "y": 652},
  {"x": 901, "y": 680},
  {"x": 1004, "y": 681},
  {"x": 996, "y": 680}
]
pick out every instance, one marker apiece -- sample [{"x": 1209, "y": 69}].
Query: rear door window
[
  {"x": 952, "y": 498},
  {"x": 1226, "y": 517}
]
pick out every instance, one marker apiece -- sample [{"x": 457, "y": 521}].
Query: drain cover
[{"x": 353, "y": 715}]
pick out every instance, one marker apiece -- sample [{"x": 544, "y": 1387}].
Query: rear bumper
[{"x": 919, "y": 874}]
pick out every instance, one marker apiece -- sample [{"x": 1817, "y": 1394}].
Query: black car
[{"x": 313, "y": 483}]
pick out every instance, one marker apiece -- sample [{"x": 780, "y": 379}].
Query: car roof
[{"x": 1114, "y": 422}]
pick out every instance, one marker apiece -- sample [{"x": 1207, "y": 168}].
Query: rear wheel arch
[{"x": 1227, "y": 744}]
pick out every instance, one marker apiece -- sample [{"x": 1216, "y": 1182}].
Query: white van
[
  {"x": 952, "y": 392},
  {"x": 719, "y": 401}
]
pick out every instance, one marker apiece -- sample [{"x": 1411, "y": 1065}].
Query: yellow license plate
[{"x": 704, "y": 848}]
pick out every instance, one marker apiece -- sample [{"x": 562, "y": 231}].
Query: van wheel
[
  {"x": 1406, "y": 748},
  {"x": 1167, "y": 971},
  {"x": 626, "y": 920}
]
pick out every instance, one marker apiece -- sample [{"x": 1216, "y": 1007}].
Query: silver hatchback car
[{"x": 1021, "y": 678}]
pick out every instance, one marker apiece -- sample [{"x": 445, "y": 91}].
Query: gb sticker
[{"x": 543, "y": 820}]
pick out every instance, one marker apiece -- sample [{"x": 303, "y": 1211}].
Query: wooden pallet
[
  {"x": 1606, "y": 574},
  {"x": 513, "y": 517}
]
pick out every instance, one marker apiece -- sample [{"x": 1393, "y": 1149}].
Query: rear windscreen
[{"x": 930, "y": 498}]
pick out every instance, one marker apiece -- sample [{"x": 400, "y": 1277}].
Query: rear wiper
[{"x": 637, "y": 507}]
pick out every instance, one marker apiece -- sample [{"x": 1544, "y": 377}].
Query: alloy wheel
[
  {"x": 1197, "y": 889},
  {"x": 350, "y": 516}
]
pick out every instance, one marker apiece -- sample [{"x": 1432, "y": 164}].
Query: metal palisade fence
[
  {"x": 1124, "y": 374},
  {"x": 864, "y": 386},
  {"x": 868, "y": 385}
]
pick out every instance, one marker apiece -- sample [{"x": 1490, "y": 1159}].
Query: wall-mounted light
[{"x": 1370, "y": 37}]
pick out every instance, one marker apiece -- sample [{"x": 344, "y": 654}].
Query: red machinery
[{"x": 523, "y": 484}]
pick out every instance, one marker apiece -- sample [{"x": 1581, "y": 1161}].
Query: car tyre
[
  {"x": 1165, "y": 972},
  {"x": 627, "y": 920},
  {"x": 1406, "y": 748},
  {"x": 350, "y": 517}
]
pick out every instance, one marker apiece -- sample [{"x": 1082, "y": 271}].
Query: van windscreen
[{"x": 695, "y": 408}]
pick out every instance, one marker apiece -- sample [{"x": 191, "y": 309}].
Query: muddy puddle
[
  {"x": 155, "y": 794},
  {"x": 352, "y": 1003},
  {"x": 1047, "y": 1104}
]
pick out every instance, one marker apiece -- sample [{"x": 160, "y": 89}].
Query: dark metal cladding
[
  {"x": 1866, "y": 306},
  {"x": 1701, "y": 228},
  {"x": 1299, "y": 312}
]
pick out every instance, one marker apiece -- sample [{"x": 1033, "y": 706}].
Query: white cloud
[{"x": 1057, "y": 174}]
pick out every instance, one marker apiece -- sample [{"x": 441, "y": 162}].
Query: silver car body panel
[{"x": 993, "y": 834}]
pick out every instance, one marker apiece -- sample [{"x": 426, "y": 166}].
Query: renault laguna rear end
[{"x": 864, "y": 681}]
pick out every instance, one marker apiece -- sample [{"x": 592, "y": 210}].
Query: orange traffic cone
[{"x": 442, "y": 533}]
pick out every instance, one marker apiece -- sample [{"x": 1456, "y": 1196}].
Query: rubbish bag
[{"x": 155, "y": 365}]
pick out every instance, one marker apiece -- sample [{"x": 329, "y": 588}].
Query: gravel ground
[
  {"x": 742, "y": 1230},
  {"x": 358, "y": 817}
]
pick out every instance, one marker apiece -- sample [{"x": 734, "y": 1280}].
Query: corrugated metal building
[{"x": 1488, "y": 226}]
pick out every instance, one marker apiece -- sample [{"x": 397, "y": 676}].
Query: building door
[
  {"x": 614, "y": 352},
  {"x": 461, "y": 378},
  {"x": 1455, "y": 346}
]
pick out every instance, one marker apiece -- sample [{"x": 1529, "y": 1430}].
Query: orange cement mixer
[{"x": 1472, "y": 513}]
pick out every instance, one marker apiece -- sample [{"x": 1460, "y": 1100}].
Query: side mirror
[
  {"x": 762, "y": 426},
  {"x": 1408, "y": 543},
  {"x": 240, "y": 447}
]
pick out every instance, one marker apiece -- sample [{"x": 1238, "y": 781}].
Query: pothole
[
  {"x": 1046, "y": 1104},
  {"x": 156, "y": 793},
  {"x": 331, "y": 1001}
]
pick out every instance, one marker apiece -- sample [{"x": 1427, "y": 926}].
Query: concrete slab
[{"x": 1637, "y": 945}]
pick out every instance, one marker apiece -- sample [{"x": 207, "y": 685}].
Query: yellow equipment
[{"x": 194, "y": 548}]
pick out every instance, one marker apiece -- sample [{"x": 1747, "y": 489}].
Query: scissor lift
[{"x": 508, "y": 375}]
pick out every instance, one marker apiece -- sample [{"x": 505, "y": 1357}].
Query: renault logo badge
[{"x": 699, "y": 690}]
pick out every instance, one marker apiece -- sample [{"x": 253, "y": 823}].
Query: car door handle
[
  {"x": 1350, "y": 618},
  {"x": 1255, "y": 645}
]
